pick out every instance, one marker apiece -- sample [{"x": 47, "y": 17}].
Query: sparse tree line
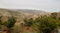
[{"x": 43, "y": 24}]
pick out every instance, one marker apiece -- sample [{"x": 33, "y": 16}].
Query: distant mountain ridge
[
  {"x": 30, "y": 11},
  {"x": 21, "y": 12}
]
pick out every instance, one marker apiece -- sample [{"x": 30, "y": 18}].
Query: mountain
[
  {"x": 21, "y": 13},
  {"x": 30, "y": 11}
]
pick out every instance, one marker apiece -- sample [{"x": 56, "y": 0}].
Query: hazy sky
[{"x": 47, "y": 5}]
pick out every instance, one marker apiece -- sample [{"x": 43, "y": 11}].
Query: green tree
[
  {"x": 0, "y": 22},
  {"x": 10, "y": 23},
  {"x": 46, "y": 24},
  {"x": 28, "y": 22},
  {"x": 54, "y": 15}
]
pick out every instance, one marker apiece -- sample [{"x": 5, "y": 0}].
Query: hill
[{"x": 21, "y": 13}]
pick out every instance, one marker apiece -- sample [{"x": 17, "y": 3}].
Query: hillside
[
  {"x": 21, "y": 13},
  {"x": 26, "y": 25}
]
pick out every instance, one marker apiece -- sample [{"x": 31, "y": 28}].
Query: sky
[{"x": 47, "y": 5}]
